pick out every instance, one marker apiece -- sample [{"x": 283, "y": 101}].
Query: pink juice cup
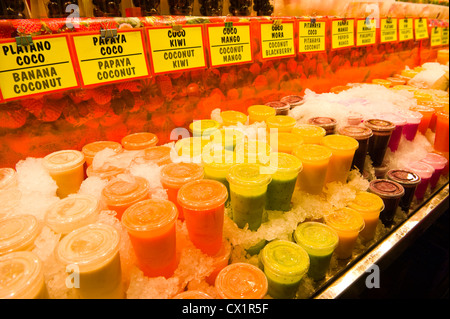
[
  {"x": 438, "y": 162},
  {"x": 412, "y": 124},
  {"x": 425, "y": 171},
  {"x": 399, "y": 122}
]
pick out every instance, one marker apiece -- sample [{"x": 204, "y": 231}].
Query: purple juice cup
[
  {"x": 409, "y": 180},
  {"x": 412, "y": 124},
  {"x": 438, "y": 162},
  {"x": 425, "y": 172},
  {"x": 399, "y": 122},
  {"x": 391, "y": 193}
]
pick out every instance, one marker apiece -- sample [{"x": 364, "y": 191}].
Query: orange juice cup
[
  {"x": 259, "y": 113},
  {"x": 315, "y": 160},
  {"x": 369, "y": 206},
  {"x": 192, "y": 294},
  {"x": 427, "y": 113},
  {"x": 151, "y": 225},
  {"x": 66, "y": 169},
  {"x": 241, "y": 281},
  {"x": 284, "y": 123},
  {"x": 343, "y": 150},
  {"x": 311, "y": 134},
  {"x": 89, "y": 150},
  {"x": 105, "y": 172},
  {"x": 8, "y": 178},
  {"x": 121, "y": 193},
  {"x": 383, "y": 82},
  {"x": 160, "y": 155},
  {"x": 348, "y": 223},
  {"x": 220, "y": 261},
  {"x": 139, "y": 141},
  {"x": 441, "y": 139},
  {"x": 18, "y": 233},
  {"x": 437, "y": 108},
  {"x": 327, "y": 123},
  {"x": 175, "y": 175},
  {"x": 286, "y": 141},
  {"x": 203, "y": 207},
  {"x": 233, "y": 118}
]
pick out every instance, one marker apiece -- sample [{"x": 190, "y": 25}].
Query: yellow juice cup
[
  {"x": 227, "y": 138},
  {"x": 409, "y": 73},
  {"x": 91, "y": 256},
  {"x": 253, "y": 152},
  {"x": 369, "y": 205},
  {"x": 230, "y": 118},
  {"x": 311, "y": 134},
  {"x": 284, "y": 123},
  {"x": 343, "y": 149},
  {"x": 385, "y": 83},
  {"x": 159, "y": 155},
  {"x": 348, "y": 223},
  {"x": 203, "y": 127},
  {"x": 22, "y": 276},
  {"x": 8, "y": 179},
  {"x": 286, "y": 141},
  {"x": 191, "y": 147},
  {"x": 66, "y": 169},
  {"x": 18, "y": 233},
  {"x": 89, "y": 150},
  {"x": 259, "y": 113},
  {"x": 315, "y": 160},
  {"x": 406, "y": 87},
  {"x": 139, "y": 141}
]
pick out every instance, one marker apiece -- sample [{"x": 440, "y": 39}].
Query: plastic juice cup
[
  {"x": 281, "y": 108},
  {"x": 292, "y": 100},
  {"x": 284, "y": 263},
  {"x": 248, "y": 188},
  {"x": 437, "y": 108},
  {"x": 121, "y": 193},
  {"x": 22, "y": 276},
  {"x": 191, "y": 146},
  {"x": 413, "y": 120},
  {"x": 203, "y": 127},
  {"x": 203, "y": 203},
  {"x": 18, "y": 233},
  {"x": 286, "y": 141},
  {"x": 438, "y": 162},
  {"x": 399, "y": 122},
  {"x": 390, "y": 192},
  {"x": 9, "y": 200},
  {"x": 396, "y": 81},
  {"x": 427, "y": 112},
  {"x": 89, "y": 150},
  {"x": 241, "y": 281},
  {"x": 418, "y": 69},
  {"x": 228, "y": 138},
  {"x": 370, "y": 206},
  {"x": 66, "y": 169},
  {"x": 220, "y": 261},
  {"x": 92, "y": 252},
  {"x": 259, "y": 113},
  {"x": 311, "y": 134},
  {"x": 8, "y": 178},
  {"x": 105, "y": 172},
  {"x": 253, "y": 151},
  {"x": 348, "y": 223},
  {"x": 354, "y": 118},
  {"x": 284, "y": 123},
  {"x": 409, "y": 180},
  {"x": 379, "y": 141},
  {"x": 441, "y": 139},
  {"x": 327, "y": 123},
  {"x": 409, "y": 73},
  {"x": 383, "y": 82},
  {"x": 151, "y": 225},
  {"x": 319, "y": 241},
  {"x": 160, "y": 155},
  {"x": 192, "y": 294},
  {"x": 139, "y": 141},
  {"x": 421, "y": 95},
  {"x": 340, "y": 88},
  {"x": 442, "y": 56},
  {"x": 72, "y": 212},
  {"x": 315, "y": 160},
  {"x": 217, "y": 163},
  {"x": 362, "y": 135},
  {"x": 381, "y": 171},
  {"x": 343, "y": 150},
  {"x": 233, "y": 118},
  {"x": 425, "y": 172},
  {"x": 286, "y": 168}
]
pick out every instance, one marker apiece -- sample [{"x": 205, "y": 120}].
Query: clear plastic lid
[
  {"x": 260, "y": 112},
  {"x": 367, "y": 202},
  {"x": 105, "y": 172},
  {"x": 340, "y": 142},
  {"x": 293, "y": 100},
  {"x": 435, "y": 160},
  {"x": 286, "y": 141},
  {"x": 396, "y": 81},
  {"x": 175, "y": 175},
  {"x": 345, "y": 219},
  {"x": 422, "y": 169},
  {"x": 89, "y": 247},
  {"x": 241, "y": 281},
  {"x": 248, "y": 175},
  {"x": 18, "y": 233},
  {"x": 316, "y": 236},
  {"x": 312, "y": 153},
  {"x": 379, "y": 125},
  {"x": 411, "y": 116},
  {"x": 281, "y": 122},
  {"x": 125, "y": 189},
  {"x": 279, "y": 105},
  {"x": 193, "y": 294},
  {"x": 63, "y": 160},
  {"x": 202, "y": 195},
  {"x": 424, "y": 108},
  {"x": 21, "y": 276},
  {"x": 203, "y": 127},
  {"x": 285, "y": 165},
  {"x": 8, "y": 178},
  {"x": 309, "y": 131},
  {"x": 386, "y": 188},
  {"x": 139, "y": 141},
  {"x": 89, "y": 150},
  {"x": 159, "y": 155},
  {"x": 395, "y": 118},
  {"x": 403, "y": 177},
  {"x": 72, "y": 212},
  {"x": 357, "y": 132},
  {"x": 233, "y": 117},
  {"x": 325, "y": 122},
  {"x": 408, "y": 88}
]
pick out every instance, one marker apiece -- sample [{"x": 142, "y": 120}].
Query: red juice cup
[
  {"x": 280, "y": 107},
  {"x": 160, "y": 155},
  {"x": 220, "y": 261},
  {"x": 441, "y": 138},
  {"x": 413, "y": 120},
  {"x": 378, "y": 143},
  {"x": 425, "y": 172},
  {"x": 409, "y": 180},
  {"x": 91, "y": 149},
  {"x": 369, "y": 206},
  {"x": 151, "y": 225},
  {"x": 391, "y": 193},
  {"x": 399, "y": 122},
  {"x": 139, "y": 141},
  {"x": 439, "y": 163},
  {"x": 327, "y": 123},
  {"x": 362, "y": 135},
  {"x": 175, "y": 175},
  {"x": 203, "y": 202},
  {"x": 427, "y": 112}
]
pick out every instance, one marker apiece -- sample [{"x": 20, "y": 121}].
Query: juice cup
[
  {"x": 422, "y": 95},
  {"x": 437, "y": 108},
  {"x": 253, "y": 151},
  {"x": 411, "y": 127},
  {"x": 159, "y": 155},
  {"x": 315, "y": 160},
  {"x": 18, "y": 233},
  {"x": 354, "y": 118},
  {"x": 8, "y": 179},
  {"x": 230, "y": 118},
  {"x": 241, "y": 281},
  {"x": 106, "y": 172},
  {"x": 438, "y": 162},
  {"x": 369, "y": 206},
  {"x": 175, "y": 175},
  {"x": 89, "y": 150},
  {"x": 348, "y": 223},
  {"x": 327, "y": 123},
  {"x": 121, "y": 193},
  {"x": 311, "y": 134},
  {"x": 319, "y": 241},
  {"x": 362, "y": 135},
  {"x": 151, "y": 225},
  {"x": 220, "y": 261},
  {"x": 286, "y": 168},
  {"x": 409, "y": 180},
  {"x": 203, "y": 207},
  {"x": 379, "y": 141},
  {"x": 9, "y": 200},
  {"x": 192, "y": 294},
  {"x": 203, "y": 127},
  {"x": 386, "y": 83},
  {"x": 339, "y": 88},
  {"x": 286, "y": 141},
  {"x": 427, "y": 113},
  {"x": 425, "y": 172},
  {"x": 406, "y": 87},
  {"x": 390, "y": 192},
  {"x": 259, "y": 113},
  {"x": 66, "y": 169},
  {"x": 227, "y": 138},
  {"x": 441, "y": 138},
  {"x": 191, "y": 147},
  {"x": 139, "y": 141},
  {"x": 292, "y": 100},
  {"x": 22, "y": 275},
  {"x": 216, "y": 164},
  {"x": 381, "y": 171},
  {"x": 92, "y": 254},
  {"x": 284, "y": 123},
  {"x": 248, "y": 188},
  {"x": 396, "y": 81},
  {"x": 400, "y": 123},
  {"x": 409, "y": 73},
  {"x": 343, "y": 150},
  {"x": 280, "y": 107},
  {"x": 72, "y": 212},
  {"x": 284, "y": 263}
]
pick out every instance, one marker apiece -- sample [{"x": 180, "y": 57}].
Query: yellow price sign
[
  {"x": 406, "y": 29},
  {"x": 366, "y": 32},
  {"x": 343, "y": 33},
  {"x": 421, "y": 28},
  {"x": 445, "y": 36},
  {"x": 388, "y": 30},
  {"x": 39, "y": 68},
  {"x": 277, "y": 40},
  {"x": 311, "y": 36},
  {"x": 436, "y": 36}
]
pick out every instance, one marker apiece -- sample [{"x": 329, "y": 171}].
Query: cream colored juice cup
[{"x": 18, "y": 233}]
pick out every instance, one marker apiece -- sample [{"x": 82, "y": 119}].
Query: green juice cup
[
  {"x": 286, "y": 168},
  {"x": 248, "y": 187},
  {"x": 284, "y": 263},
  {"x": 319, "y": 241}
]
